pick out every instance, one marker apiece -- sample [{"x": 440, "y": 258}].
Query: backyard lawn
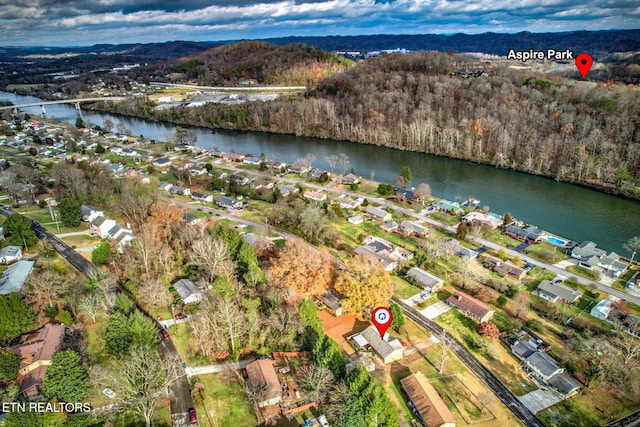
[{"x": 224, "y": 403}]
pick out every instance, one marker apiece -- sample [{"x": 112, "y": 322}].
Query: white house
[
  {"x": 101, "y": 226},
  {"x": 389, "y": 348},
  {"x": 10, "y": 254},
  {"x": 188, "y": 291},
  {"x": 602, "y": 309},
  {"x": 89, "y": 213}
]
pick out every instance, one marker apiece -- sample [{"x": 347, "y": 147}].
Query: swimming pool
[
  {"x": 555, "y": 241},
  {"x": 494, "y": 215}
]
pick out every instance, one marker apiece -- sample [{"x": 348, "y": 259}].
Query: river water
[{"x": 566, "y": 210}]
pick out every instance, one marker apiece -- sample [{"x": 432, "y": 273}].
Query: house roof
[
  {"x": 504, "y": 267},
  {"x": 199, "y": 194},
  {"x": 524, "y": 349},
  {"x": 87, "y": 209},
  {"x": 262, "y": 372},
  {"x": 10, "y": 252},
  {"x": 461, "y": 250},
  {"x": 543, "y": 363},
  {"x": 384, "y": 347},
  {"x": 426, "y": 400},
  {"x": 446, "y": 205},
  {"x": 467, "y": 303},
  {"x": 186, "y": 288},
  {"x": 97, "y": 222},
  {"x": 410, "y": 226},
  {"x": 14, "y": 276},
  {"x": 189, "y": 217},
  {"x": 559, "y": 290},
  {"x": 227, "y": 201},
  {"x": 602, "y": 308},
  {"x": 424, "y": 278},
  {"x": 377, "y": 212},
  {"x": 367, "y": 251},
  {"x": 587, "y": 250},
  {"x": 563, "y": 383},
  {"x": 331, "y": 300},
  {"x": 42, "y": 345}
]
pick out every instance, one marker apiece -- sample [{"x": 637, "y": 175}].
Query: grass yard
[
  {"x": 444, "y": 218},
  {"x": 222, "y": 402},
  {"x": 496, "y": 236},
  {"x": 180, "y": 334},
  {"x": 403, "y": 289},
  {"x": 546, "y": 252},
  {"x": 584, "y": 272},
  {"x": 81, "y": 241}
]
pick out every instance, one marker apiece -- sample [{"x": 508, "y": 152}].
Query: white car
[{"x": 109, "y": 392}]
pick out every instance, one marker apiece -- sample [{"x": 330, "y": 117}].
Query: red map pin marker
[
  {"x": 381, "y": 318},
  {"x": 584, "y": 63}
]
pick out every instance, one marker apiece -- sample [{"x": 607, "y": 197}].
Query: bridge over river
[{"x": 75, "y": 101}]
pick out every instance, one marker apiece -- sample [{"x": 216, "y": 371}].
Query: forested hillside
[
  {"x": 569, "y": 130},
  {"x": 266, "y": 63}
]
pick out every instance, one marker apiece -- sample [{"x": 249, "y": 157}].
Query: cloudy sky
[{"x": 88, "y": 22}]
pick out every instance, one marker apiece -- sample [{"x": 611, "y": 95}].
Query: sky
[{"x": 89, "y": 22}]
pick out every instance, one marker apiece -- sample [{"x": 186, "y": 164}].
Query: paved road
[{"x": 500, "y": 390}]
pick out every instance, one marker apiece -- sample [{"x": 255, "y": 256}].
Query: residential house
[
  {"x": 35, "y": 352},
  {"x": 528, "y": 234},
  {"x": 177, "y": 189},
  {"x": 482, "y": 218},
  {"x": 89, "y": 213},
  {"x": 410, "y": 228},
  {"x": 346, "y": 202},
  {"x": 315, "y": 195},
  {"x": 250, "y": 160},
  {"x": 14, "y": 276},
  {"x": 405, "y": 193},
  {"x": 190, "y": 219},
  {"x": 287, "y": 190},
  {"x": 449, "y": 207},
  {"x": 557, "y": 292},
  {"x": 460, "y": 250},
  {"x": 298, "y": 169},
  {"x": 634, "y": 281},
  {"x": 333, "y": 302},
  {"x": 590, "y": 256},
  {"x": 602, "y": 309},
  {"x": 233, "y": 157},
  {"x": 425, "y": 279},
  {"x": 390, "y": 226},
  {"x": 541, "y": 365},
  {"x": 188, "y": 291},
  {"x": 382, "y": 257},
  {"x": 120, "y": 236},
  {"x": 427, "y": 402},
  {"x": 101, "y": 226},
  {"x": 378, "y": 213},
  {"x": 470, "y": 306},
  {"x": 228, "y": 203},
  {"x": 564, "y": 384},
  {"x": 355, "y": 220},
  {"x": 274, "y": 164},
  {"x": 262, "y": 374},
  {"x": 115, "y": 168},
  {"x": 10, "y": 254},
  {"x": 201, "y": 197},
  {"x": 388, "y": 348},
  {"x": 504, "y": 268},
  {"x": 348, "y": 179},
  {"x": 162, "y": 162},
  {"x": 524, "y": 349},
  {"x": 239, "y": 180}
]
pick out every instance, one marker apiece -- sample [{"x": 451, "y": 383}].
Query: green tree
[
  {"x": 15, "y": 317},
  {"x": 32, "y": 418},
  {"x": 101, "y": 253},
  {"x": 404, "y": 179},
  {"x": 9, "y": 364},
  {"x": 100, "y": 149},
  {"x": 118, "y": 340},
  {"x": 501, "y": 301},
  {"x": 142, "y": 330},
  {"x": 18, "y": 229},
  {"x": 66, "y": 378},
  {"x": 398, "y": 319},
  {"x": 79, "y": 123},
  {"x": 124, "y": 304},
  {"x": 70, "y": 213},
  {"x": 373, "y": 401},
  {"x": 385, "y": 189}
]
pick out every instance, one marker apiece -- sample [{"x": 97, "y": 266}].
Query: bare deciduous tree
[{"x": 316, "y": 381}]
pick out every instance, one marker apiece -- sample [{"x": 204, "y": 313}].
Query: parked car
[
  {"x": 165, "y": 334},
  {"x": 193, "y": 419},
  {"x": 180, "y": 316},
  {"x": 109, "y": 392}
]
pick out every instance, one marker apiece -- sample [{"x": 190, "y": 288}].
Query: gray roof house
[
  {"x": 10, "y": 254},
  {"x": 188, "y": 291},
  {"x": 542, "y": 365},
  {"x": 461, "y": 251},
  {"x": 89, "y": 213},
  {"x": 564, "y": 384},
  {"x": 333, "y": 302},
  {"x": 427, "y": 280},
  {"x": 388, "y": 349},
  {"x": 228, "y": 203},
  {"x": 524, "y": 349},
  {"x": 557, "y": 292},
  {"x": 378, "y": 213},
  {"x": 14, "y": 276},
  {"x": 602, "y": 309}
]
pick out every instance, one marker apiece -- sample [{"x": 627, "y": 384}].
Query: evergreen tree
[
  {"x": 66, "y": 378},
  {"x": 118, "y": 339},
  {"x": 18, "y": 229},
  {"x": 9, "y": 364},
  {"x": 142, "y": 330},
  {"x": 124, "y": 305},
  {"x": 100, "y": 254},
  {"x": 397, "y": 314},
  {"x": 70, "y": 213},
  {"x": 15, "y": 317}
]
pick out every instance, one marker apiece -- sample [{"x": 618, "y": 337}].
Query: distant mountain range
[{"x": 597, "y": 43}]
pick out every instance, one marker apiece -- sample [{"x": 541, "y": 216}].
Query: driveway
[
  {"x": 435, "y": 310},
  {"x": 540, "y": 399}
]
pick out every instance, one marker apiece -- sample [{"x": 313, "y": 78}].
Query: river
[{"x": 566, "y": 210}]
